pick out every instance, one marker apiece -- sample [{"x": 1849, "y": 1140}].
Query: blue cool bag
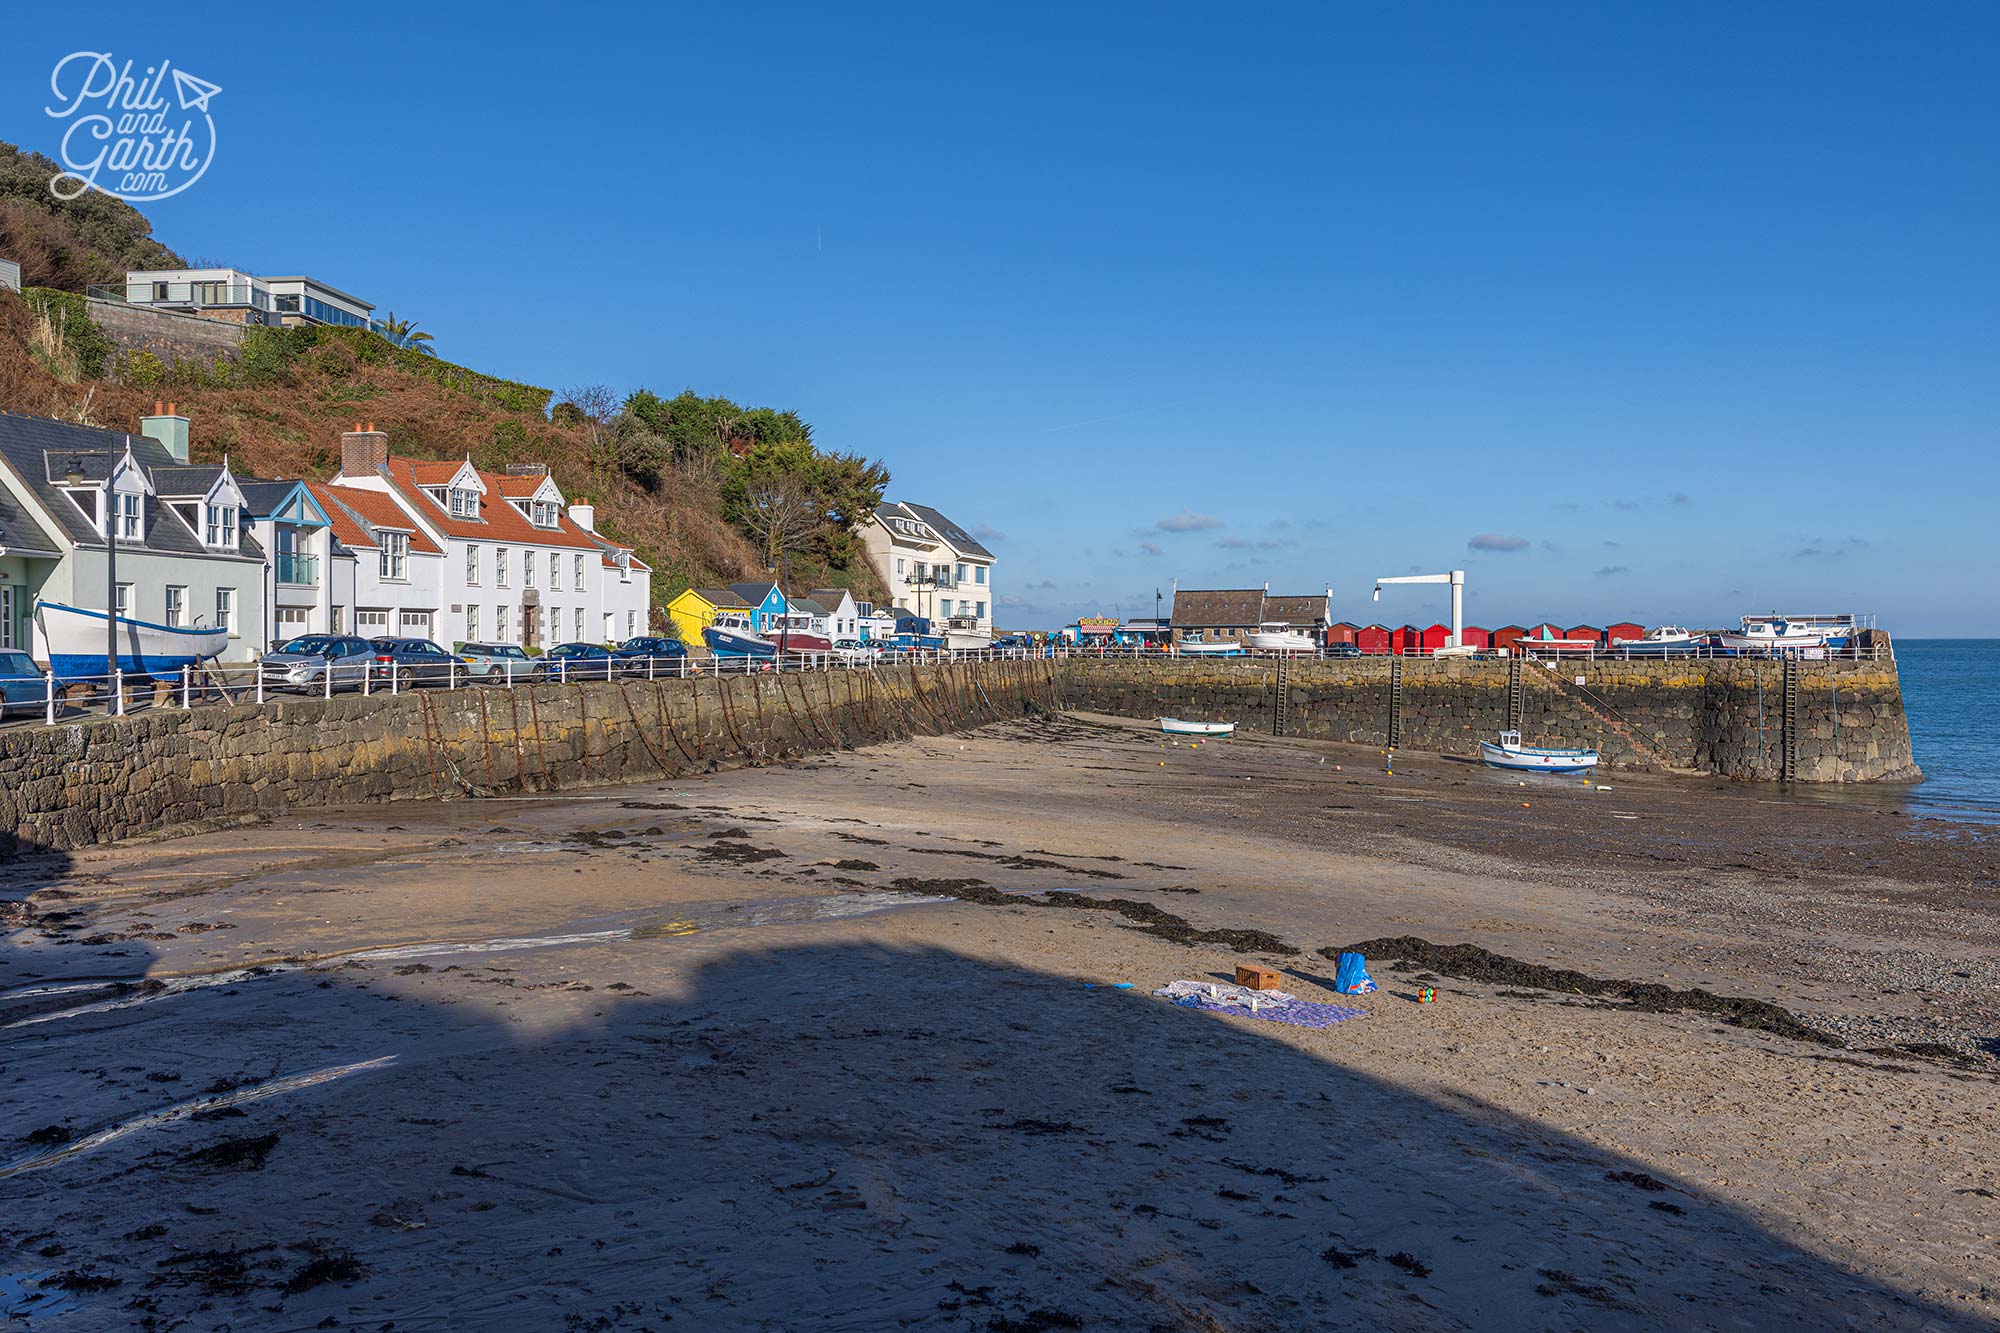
[{"x": 1351, "y": 976}]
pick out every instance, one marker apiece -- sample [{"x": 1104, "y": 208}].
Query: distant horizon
[{"x": 1632, "y": 314}]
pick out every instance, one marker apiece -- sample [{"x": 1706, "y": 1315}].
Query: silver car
[
  {"x": 306, "y": 663},
  {"x": 498, "y": 664}
]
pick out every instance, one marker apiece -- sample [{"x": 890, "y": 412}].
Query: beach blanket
[{"x": 1275, "y": 1006}]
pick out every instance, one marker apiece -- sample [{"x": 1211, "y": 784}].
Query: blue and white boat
[
  {"x": 732, "y": 634},
  {"x": 1510, "y": 754},
  {"x": 76, "y": 643},
  {"x": 1660, "y": 641}
]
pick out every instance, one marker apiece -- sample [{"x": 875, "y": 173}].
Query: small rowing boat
[
  {"x": 1512, "y": 755},
  {"x": 1173, "y": 726}
]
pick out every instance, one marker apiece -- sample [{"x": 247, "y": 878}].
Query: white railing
[{"x": 67, "y": 698}]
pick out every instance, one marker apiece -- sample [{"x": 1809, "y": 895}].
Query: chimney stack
[
  {"x": 364, "y": 451},
  {"x": 583, "y": 513},
  {"x": 170, "y": 428}
]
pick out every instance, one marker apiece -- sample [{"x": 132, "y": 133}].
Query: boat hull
[
  {"x": 803, "y": 641},
  {"x": 1760, "y": 643},
  {"x": 1283, "y": 643},
  {"x": 967, "y": 641},
  {"x": 735, "y": 643},
  {"x": 76, "y": 645},
  {"x": 1173, "y": 726},
  {"x": 1653, "y": 648},
  {"x": 1526, "y": 760},
  {"x": 1209, "y": 649}
]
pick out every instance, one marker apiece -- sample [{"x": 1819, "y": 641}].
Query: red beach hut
[
  {"x": 1589, "y": 633},
  {"x": 1344, "y": 631},
  {"x": 1434, "y": 638},
  {"x": 1373, "y": 639},
  {"x": 1507, "y": 636},
  {"x": 1406, "y": 640},
  {"x": 1622, "y": 629},
  {"x": 1474, "y": 637}
]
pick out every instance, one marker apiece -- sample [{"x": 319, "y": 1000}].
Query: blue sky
[{"x": 1669, "y": 312}]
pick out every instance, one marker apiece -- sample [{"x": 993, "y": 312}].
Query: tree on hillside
[
  {"x": 772, "y": 495},
  {"x": 68, "y": 244},
  {"x": 591, "y": 408},
  {"x": 405, "y": 333}
]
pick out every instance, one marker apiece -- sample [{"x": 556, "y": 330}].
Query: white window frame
[
  {"x": 499, "y": 566},
  {"x": 472, "y": 564},
  {"x": 979, "y": 575},
  {"x": 579, "y": 624},
  {"x": 578, "y": 571},
  {"x": 472, "y": 622},
  {"x": 129, "y": 508},
  {"x": 225, "y": 610},
  {"x": 6, "y": 615},
  {"x": 219, "y": 527},
  {"x": 631, "y": 624},
  {"x": 121, "y": 602},
  {"x": 394, "y": 565},
  {"x": 463, "y": 503},
  {"x": 336, "y": 620},
  {"x": 555, "y": 571},
  {"x": 528, "y": 570}
]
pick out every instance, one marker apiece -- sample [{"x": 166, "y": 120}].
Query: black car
[
  {"x": 1343, "y": 650},
  {"x": 650, "y": 654},
  {"x": 414, "y": 662}
]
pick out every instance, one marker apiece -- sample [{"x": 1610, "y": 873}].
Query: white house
[
  {"x": 841, "y": 618},
  {"x": 521, "y": 565},
  {"x": 933, "y": 566},
  {"x": 237, "y": 297},
  {"x": 390, "y": 573},
  {"x": 185, "y": 554},
  {"x": 310, "y": 576}
]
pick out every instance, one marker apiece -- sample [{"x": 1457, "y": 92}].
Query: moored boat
[
  {"x": 1512, "y": 755},
  {"x": 1545, "y": 644},
  {"x": 731, "y": 634},
  {"x": 1193, "y": 645},
  {"x": 1278, "y": 637},
  {"x": 1174, "y": 726},
  {"x": 76, "y": 643},
  {"x": 1778, "y": 634},
  {"x": 794, "y": 634},
  {"x": 1660, "y": 641},
  {"x": 962, "y": 633}
]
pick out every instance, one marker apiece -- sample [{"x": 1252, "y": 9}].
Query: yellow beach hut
[{"x": 694, "y": 609}]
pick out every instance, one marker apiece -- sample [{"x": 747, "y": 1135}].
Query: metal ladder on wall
[
  {"x": 1789, "y": 752},
  {"x": 1516, "y": 694},
  {"x": 1395, "y": 702},
  {"x": 1284, "y": 687}
]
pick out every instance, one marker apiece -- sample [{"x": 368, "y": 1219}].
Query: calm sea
[{"x": 1951, "y": 689}]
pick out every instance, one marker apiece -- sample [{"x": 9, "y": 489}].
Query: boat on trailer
[
  {"x": 1276, "y": 636},
  {"x": 733, "y": 634},
  {"x": 1660, "y": 641},
  {"x": 1776, "y": 634},
  {"x": 1510, "y": 754},
  {"x": 1192, "y": 645},
  {"x": 1174, "y": 726},
  {"x": 76, "y": 643}
]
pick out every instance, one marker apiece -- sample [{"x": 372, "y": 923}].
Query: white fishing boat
[
  {"x": 76, "y": 643},
  {"x": 962, "y": 633},
  {"x": 1193, "y": 645},
  {"x": 734, "y": 634},
  {"x": 1275, "y": 636},
  {"x": 1776, "y": 634},
  {"x": 1511, "y": 754},
  {"x": 1173, "y": 726},
  {"x": 1660, "y": 641}
]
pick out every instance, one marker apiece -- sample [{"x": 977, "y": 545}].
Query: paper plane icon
[{"x": 194, "y": 93}]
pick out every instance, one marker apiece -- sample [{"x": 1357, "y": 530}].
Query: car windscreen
[
  {"x": 17, "y": 664},
  {"x": 315, "y": 645}
]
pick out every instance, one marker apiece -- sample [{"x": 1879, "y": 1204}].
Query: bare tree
[
  {"x": 594, "y": 407},
  {"x": 780, "y": 511}
]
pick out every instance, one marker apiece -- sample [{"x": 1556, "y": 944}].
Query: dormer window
[
  {"x": 219, "y": 530},
  {"x": 543, "y": 513},
  {"x": 126, "y": 509},
  {"x": 464, "y": 503}
]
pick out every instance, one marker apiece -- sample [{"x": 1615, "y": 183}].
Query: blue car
[
  {"x": 21, "y": 685},
  {"x": 582, "y": 661},
  {"x": 651, "y": 652}
]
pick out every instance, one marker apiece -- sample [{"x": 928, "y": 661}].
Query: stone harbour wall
[
  {"x": 1724, "y": 716},
  {"x": 167, "y": 334},
  {"x": 70, "y": 786}
]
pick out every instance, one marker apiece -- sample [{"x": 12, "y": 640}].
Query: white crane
[{"x": 1456, "y": 578}]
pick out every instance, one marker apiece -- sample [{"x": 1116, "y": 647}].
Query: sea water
[{"x": 1951, "y": 692}]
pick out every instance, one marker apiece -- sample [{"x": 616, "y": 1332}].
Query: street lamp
[{"x": 77, "y": 478}]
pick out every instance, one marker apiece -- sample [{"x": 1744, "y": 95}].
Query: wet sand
[{"x": 834, "y": 1046}]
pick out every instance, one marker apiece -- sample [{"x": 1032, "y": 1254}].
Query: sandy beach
[{"x": 837, "y": 1045}]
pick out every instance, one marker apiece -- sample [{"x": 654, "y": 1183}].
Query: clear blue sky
[{"x": 1695, "y": 303}]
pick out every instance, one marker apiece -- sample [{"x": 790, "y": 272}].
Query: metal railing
[
  {"x": 200, "y": 295},
  {"x": 1877, "y": 652}
]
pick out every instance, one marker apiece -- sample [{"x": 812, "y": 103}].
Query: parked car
[
  {"x": 413, "y": 662},
  {"x": 21, "y": 685},
  {"x": 852, "y": 650},
  {"x": 582, "y": 661},
  {"x": 498, "y": 663},
  {"x": 1343, "y": 650},
  {"x": 650, "y": 654},
  {"x": 307, "y": 662}
]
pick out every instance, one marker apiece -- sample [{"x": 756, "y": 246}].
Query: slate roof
[
  {"x": 807, "y": 606},
  {"x": 1301, "y": 612},
  {"x": 722, "y": 597},
  {"x": 1218, "y": 608},
  {"x": 959, "y": 539},
  {"x": 753, "y": 594},
  {"x": 20, "y": 530},
  {"x": 36, "y": 450},
  {"x": 829, "y": 597},
  {"x": 264, "y": 496}
]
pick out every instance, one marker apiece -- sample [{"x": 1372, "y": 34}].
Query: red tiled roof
[
  {"x": 519, "y": 487},
  {"x": 498, "y": 520},
  {"x": 343, "y": 503}
]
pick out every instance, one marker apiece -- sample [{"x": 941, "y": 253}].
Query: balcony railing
[{"x": 300, "y": 571}]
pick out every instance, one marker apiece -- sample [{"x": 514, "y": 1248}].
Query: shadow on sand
[{"x": 827, "y": 1136}]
